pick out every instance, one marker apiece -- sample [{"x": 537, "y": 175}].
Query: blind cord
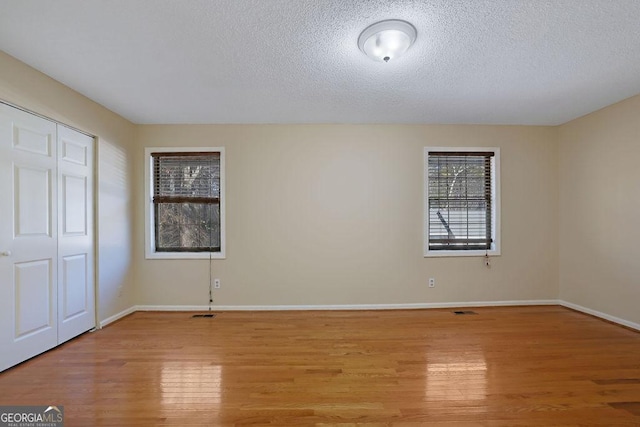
[
  {"x": 210, "y": 245},
  {"x": 210, "y": 280}
]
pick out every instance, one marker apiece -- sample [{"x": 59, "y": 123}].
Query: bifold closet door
[
  {"x": 46, "y": 235},
  {"x": 76, "y": 300},
  {"x": 28, "y": 236}
]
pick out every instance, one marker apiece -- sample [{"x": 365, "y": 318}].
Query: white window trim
[
  {"x": 149, "y": 235},
  {"x": 495, "y": 214}
]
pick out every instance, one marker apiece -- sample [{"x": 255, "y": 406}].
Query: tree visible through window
[
  {"x": 460, "y": 200},
  {"x": 186, "y": 201}
]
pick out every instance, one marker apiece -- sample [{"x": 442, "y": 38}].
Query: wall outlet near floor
[
  {"x": 216, "y": 283},
  {"x": 432, "y": 282}
]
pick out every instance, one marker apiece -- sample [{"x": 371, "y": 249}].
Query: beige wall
[
  {"x": 332, "y": 214},
  {"x": 30, "y": 89},
  {"x": 599, "y": 176},
  {"x": 326, "y": 214}
]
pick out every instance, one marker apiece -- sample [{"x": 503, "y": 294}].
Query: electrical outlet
[
  {"x": 432, "y": 282},
  {"x": 216, "y": 283}
]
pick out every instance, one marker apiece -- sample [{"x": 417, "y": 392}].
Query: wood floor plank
[{"x": 504, "y": 366}]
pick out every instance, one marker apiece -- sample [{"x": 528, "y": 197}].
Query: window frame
[
  {"x": 150, "y": 252},
  {"x": 495, "y": 208}
]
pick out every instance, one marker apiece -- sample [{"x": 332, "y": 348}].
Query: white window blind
[
  {"x": 186, "y": 201},
  {"x": 460, "y": 202}
]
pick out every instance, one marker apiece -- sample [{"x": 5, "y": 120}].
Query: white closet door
[
  {"x": 76, "y": 300},
  {"x": 28, "y": 236}
]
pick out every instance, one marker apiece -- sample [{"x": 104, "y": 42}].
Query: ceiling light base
[{"x": 386, "y": 40}]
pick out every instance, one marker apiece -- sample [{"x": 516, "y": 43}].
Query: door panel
[
  {"x": 28, "y": 237},
  {"x": 74, "y": 286},
  {"x": 33, "y": 286},
  {"x": 76, "y": 298},
  {"x": 32, "y": 202},
  {"x": 74, "y": 205},
  {"x": 74, "y": 152},
  {"x": 29, "y": 136}
]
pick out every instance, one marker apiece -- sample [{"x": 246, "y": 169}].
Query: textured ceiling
[{"x": 297, "y": 61}]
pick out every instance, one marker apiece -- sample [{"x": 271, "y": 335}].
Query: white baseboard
[
  {"x": 408, "y": 306},
  {"x": 174, "y": 308},
  {"x": 117, "y": 316},
  {"x": 601, "y": 315}
]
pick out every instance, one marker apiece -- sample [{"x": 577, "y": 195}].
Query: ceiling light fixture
[{"x": 386, "y": 40}]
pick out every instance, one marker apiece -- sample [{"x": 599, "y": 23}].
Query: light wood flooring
[{"x": 507, "y": 366}]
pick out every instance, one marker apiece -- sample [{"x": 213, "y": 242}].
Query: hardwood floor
[{"x": 507, "y": 366}]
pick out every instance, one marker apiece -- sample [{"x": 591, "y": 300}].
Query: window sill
[
  {"x": 474, "y": 253},
  {"x": 184, "y": 255}
]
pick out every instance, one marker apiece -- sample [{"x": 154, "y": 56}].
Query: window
[
  {"x": 185, "y": 208},
  {"x": 462, "y": 201}
]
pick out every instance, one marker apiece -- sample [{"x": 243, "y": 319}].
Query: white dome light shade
[{"x": 386, "y": 40}]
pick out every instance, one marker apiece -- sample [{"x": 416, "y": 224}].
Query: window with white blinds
[
  {"x": 186, "y": 198},
  {"x": 461, "y": 201}
]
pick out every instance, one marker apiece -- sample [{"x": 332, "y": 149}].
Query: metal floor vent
[
  {"x": 204, "y": 315},
  {"x": 457, "y": 313}
]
